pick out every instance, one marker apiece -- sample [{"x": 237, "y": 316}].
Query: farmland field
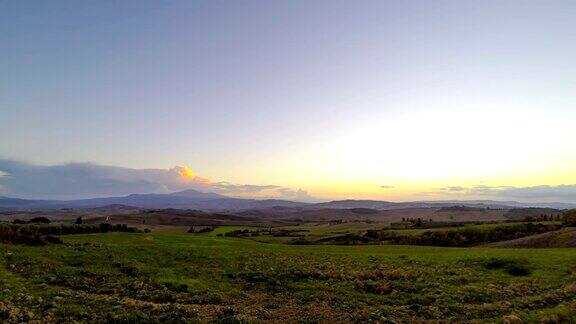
[{"x": 170, "y": 276}]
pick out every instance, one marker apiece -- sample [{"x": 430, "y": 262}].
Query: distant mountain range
[
  {"x": 187, "y": 199},
  {"x": 193, "y": 199},
  {"x": 387, "y": 205}
]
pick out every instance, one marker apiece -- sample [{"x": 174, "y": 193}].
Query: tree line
[{"x": 29, "y": 234}]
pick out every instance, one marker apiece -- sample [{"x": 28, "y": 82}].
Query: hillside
[
  {"x": 533, "y": 212},
  {"x": 564, "y": 238},
  {"x": 178, "y": 217}
]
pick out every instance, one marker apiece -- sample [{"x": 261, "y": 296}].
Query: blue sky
[{"x": 296, "y": 93}]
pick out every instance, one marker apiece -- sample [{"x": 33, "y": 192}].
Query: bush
[
  {"x": 43, "y": 220},
  {"x": 512, "y": 267},
  {"x": 495, "y": 263},
  {"x": 53, "y": 239},
  {"x": 517, "y": 270},
  {"x": 127, "y": 269}
]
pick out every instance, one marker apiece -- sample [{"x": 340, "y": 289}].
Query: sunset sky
[{"x": 390, "y": 100}]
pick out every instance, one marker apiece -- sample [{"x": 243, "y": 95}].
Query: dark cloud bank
[{"x": 88, "y": 180}]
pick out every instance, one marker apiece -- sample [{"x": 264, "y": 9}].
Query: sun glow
[
  {"x": 185, "y": 173},
  {"x": 413, "y": 153}
]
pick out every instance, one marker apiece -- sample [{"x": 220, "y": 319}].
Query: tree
[
  {"x": 79, "y": 220},
  {"x": 569, "y": 218}
]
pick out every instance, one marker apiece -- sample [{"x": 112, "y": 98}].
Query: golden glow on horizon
[{"x": 414, "y": 154}]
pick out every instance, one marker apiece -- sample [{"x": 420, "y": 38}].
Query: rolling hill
[
  {"x": 188, "y": 199},
  {"x": 193, "y": 199},
  {"x": 564, "y": 238}
]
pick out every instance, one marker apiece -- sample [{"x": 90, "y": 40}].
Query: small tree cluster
[
  {"x": 417, "y": 222},
  {"x": 543, "y": 218},
  {"x": 200, "y": 229},
  {"x": 244, "y": 233},
  {"x": 29, "y": 235},
  {"x": 35, "y": 220}
]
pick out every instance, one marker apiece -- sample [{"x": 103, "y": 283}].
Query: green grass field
[{"x": 171, "y": 276}]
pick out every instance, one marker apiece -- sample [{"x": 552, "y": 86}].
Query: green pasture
[{"x": 171, "y": 277}]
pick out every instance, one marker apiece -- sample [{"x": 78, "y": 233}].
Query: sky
[{"x": 324, "y": 99}]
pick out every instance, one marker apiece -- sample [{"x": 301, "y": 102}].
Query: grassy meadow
[{"x": 171, "y": 276}]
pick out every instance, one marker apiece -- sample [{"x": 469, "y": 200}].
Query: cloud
[
  {"x": 261, "y": 191},
  {"x": 387, "y": 187},
  {"x": 242, "y": 189},
  {"x": 71, "y": 180},
  {"x": 541, "y": 193},
  {"x": 88, "y": 180},
  {"x": 453, "y": 189},
  {"x": 545, "y": 192},
  {"x": 297, "y": 195}
]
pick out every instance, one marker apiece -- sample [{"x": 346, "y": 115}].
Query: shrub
[
  {"x": 53, "y": 239},
  {"x": 41, "y": 219},
  {"x": 182, "y": 288},
  {"x": 517, "y": 270},
  {"x": 127, "y": 269},
  {"x": 495, "y": 263},
  {"x": 104, "y": 227},
  {"x": 512, "y": 267}
]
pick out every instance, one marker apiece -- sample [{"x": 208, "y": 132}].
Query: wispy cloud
[
  {"x": 454, "y": 189},
  {"x": 387, "y": 187},
  {"x": 541, "y": 193},
  {"x": 87, "y": 180}
]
